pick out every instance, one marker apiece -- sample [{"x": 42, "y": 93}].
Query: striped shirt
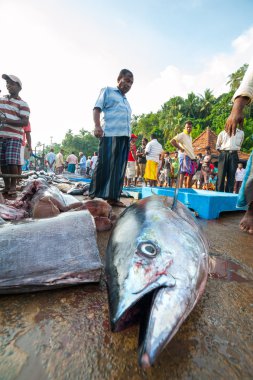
[
  {"x": 116, "y": 110},
  {"x": 14, "y": 109},
  {"x": 153, "y": 150}
]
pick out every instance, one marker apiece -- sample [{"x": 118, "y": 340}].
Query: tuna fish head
[{"x": 157, "y": 260}]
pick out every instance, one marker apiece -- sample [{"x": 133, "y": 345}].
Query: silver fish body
[{"x": 157, "y": 259}]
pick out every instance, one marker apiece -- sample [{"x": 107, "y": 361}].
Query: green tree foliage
[
  {"x": 236, "y": 77},
  {"x": 203, "y": 110},
  {"x": 84, "y": 142}
]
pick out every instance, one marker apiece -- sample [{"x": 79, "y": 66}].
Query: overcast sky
[{"x": 65, "y": 51}]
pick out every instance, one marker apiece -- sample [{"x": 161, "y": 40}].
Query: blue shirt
[
  {"x": 116, "y": 110},
  {"x": 82, "y": 162},
  {"x": 50, "y": 157}
]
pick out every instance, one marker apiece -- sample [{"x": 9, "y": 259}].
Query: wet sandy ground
[{"x": 65, "y": 334}]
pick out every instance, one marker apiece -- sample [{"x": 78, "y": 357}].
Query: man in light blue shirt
[
  {"x": 50, "y": 161},
  {"x": 117, "y": 112},
  {"x": 82, "y": 164},
  {"x": 114, "y": 135}
]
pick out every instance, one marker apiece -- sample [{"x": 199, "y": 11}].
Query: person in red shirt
[{"x": 131, "y": 162}]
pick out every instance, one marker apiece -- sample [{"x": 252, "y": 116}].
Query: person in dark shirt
[{"x": 141, "y": 161}]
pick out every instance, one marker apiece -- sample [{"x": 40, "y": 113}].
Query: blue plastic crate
[{"x": 208, "y": 204}]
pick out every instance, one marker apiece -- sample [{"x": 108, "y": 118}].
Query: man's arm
[
  {"x": 17, "y": 123},
  {"x": 61, "y": 159},
  {"x": 147, "y": 149},
  {"x": 133, "y": 151},
  {"x": 29, "y": 140},
  {"x": 98, "y": 131},
  {"x": 236, "y": 116},
  {"x": 219, "y": 141},
  {"x": 176, "y": 145},
  {"x": 242, "y": 97},
  {"x": 138, "y": 153}
]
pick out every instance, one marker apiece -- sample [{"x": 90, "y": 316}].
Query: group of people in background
[
  {"x": 149, "y": 164},
  {"x": 55, "y": 163}
]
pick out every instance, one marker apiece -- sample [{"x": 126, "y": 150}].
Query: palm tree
[
  {"x": 236, "y": 77},
  {"x": 206, "y": 102},
  {"x": 191, "y": 105}
]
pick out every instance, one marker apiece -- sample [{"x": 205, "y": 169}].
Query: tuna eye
[{"x": 147, "y": 249}]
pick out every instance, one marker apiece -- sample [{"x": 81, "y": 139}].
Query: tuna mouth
[
  {"x": 140, "y": 313},
  {"x": 159, "y": 313},
  {"x": 132, "y": 308},
  {"x": 145, "y": 357}
]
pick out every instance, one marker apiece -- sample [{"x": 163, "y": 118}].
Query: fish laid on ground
[
  {"x": 64, "y": 187},
  {"x": 49, "y": 253},
  {"x": 44, "y": 200},
  {"x": 79, "y": 189},
  {"x": 11, "y": 213},
  {"x": 101, "y": 211},
  {"x": 156, "y": 268}
]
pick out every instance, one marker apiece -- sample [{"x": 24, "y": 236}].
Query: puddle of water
[{"x": 226, "y": 270}]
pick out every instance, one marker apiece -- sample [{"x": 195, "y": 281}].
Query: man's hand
[
  {"x": 236, "y": 116},
  {"x": 98, "y": 131}
]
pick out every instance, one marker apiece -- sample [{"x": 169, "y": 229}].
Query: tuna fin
[{"x": 174, "y": 202}]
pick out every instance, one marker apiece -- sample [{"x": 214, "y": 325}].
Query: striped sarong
[
  {"x": 108, "y": 177},
  {"x": 186, "y": 164}
]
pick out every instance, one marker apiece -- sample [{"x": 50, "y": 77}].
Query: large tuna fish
[{"x": 157, "y": 259}]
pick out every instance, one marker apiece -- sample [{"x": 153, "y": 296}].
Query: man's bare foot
[
  {"x": 113, "y": 202},
  {"x": 246, "y": 223}
]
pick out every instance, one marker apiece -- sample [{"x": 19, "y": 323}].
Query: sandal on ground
[
  {"x": 5, "y": 191},
  {"x": 115, "y": 203}
]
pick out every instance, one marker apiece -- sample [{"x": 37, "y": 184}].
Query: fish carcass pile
[
  {"x": 44, "y": 196},
  {"x": 156, "y": 268},
  {"x": 48, "y": 238}
]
